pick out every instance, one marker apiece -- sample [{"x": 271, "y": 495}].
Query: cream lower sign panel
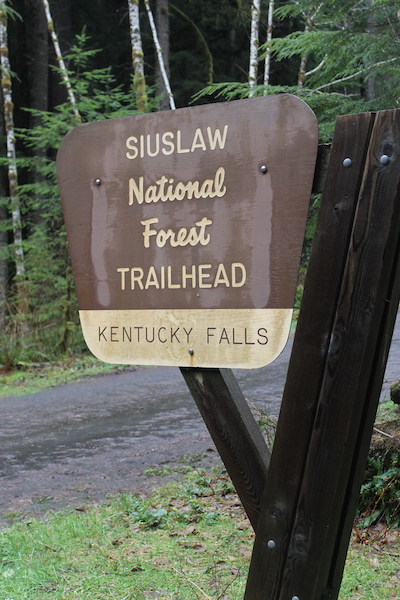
[
  {"x": 185, "y": 230},
  {"x": 187, "y": 338}
]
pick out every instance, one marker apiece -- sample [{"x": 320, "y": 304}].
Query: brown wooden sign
[{"x": 185, "y": 230}]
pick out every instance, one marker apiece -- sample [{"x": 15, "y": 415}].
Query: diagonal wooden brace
[{"x": 235, "y": 432}]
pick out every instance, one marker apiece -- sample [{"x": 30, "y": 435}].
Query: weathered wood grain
[
  {"x": 309, "y": 356},
  {"x": 391, "y": 284},
  {"x": 364, "y": 435},
  {"x": 321, "y": 168},
  {"x": 235, "y": 433},
  {"x": 351, "y": 365}
]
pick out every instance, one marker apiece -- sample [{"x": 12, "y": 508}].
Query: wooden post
[
  {"x": 336, "y": 369},
  {"x": 234, "y": 431}
]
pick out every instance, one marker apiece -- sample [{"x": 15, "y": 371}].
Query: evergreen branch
[
  {"x": 317, "y": 68},
  {"x": 359, "y": 72},
  {"x": 227, "y": 90},
  {"x": 11, "y": 12},
  {"x": 314, "y": 15},
  {"x": 311, "y": 91}
]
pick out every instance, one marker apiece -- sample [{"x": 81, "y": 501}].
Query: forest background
[{"x": 72, "y": 61}]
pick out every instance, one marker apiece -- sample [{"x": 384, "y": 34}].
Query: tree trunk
[
  {"x": 162, "y": 23},
  {"x": 37, "y": 44},
  {"x": 160, "y": 55},
  {"x": 61, "y": 11},
  {"x": 254, "y": 44},
  {"x": 11, "y": 152},
  {"x": 61, "y": 63},
  {"x": 3, "y": 265},
  {"x": 3, "y": 233},
  {"x": 267, "y": 67},
  {"x": 369, "y": 84},
  {"x": 139, "y": 81},
  {"x": 303, "y": 59},
  {"x": 310, "y": 20},
  {"x": 37, "y": 57}
]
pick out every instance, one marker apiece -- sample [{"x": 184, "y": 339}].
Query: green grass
[
  {"x": 189, "y": 540},
  {"x": 183, "y": 542},
  {"x": 387, "y": 411},
  {"x": 28, "y": 379},
  {"x": 371, "y": 573}
]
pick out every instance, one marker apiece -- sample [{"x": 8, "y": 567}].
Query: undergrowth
[
  {"x": 27, "y": 378},
  {"x": 380, "y": 494}
]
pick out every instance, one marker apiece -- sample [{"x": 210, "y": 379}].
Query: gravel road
[{"x": 73, "y": 445}]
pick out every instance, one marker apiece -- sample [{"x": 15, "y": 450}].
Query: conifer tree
[{"x": 342, "y": 45}]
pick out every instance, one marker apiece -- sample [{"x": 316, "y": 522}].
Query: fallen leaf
[
  {"x": 162, "y": 561},
  {"x": 178, "y": 533},
  {"x": 117, "y": 542},
  {"x": 375, "y": 562},
  {"x": 245, "y": 552}
]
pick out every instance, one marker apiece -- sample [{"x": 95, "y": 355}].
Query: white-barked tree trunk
[
  {"x": 10, "y": 140},
  {"x": 254, "y": 43},
  {"x": 61, "y": 63},
  {"x": 160, "y": 56},
  {"x": 267, "y": 67},
  {"x": 139, "y": 81}
]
